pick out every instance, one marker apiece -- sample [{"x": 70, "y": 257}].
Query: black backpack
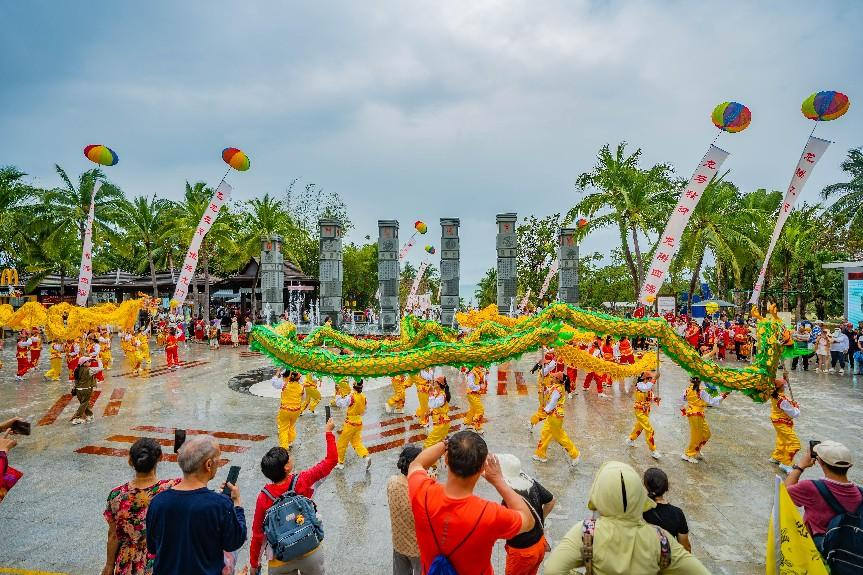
[{"x": 842, "y": 547}]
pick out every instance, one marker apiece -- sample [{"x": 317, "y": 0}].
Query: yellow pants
[
  {"x": 56, "y": 369},
  {"x": 553, "y": 429},
  {"x": 312, "y": 399},
  {"x": 642, "y": 423},
  {"x": 351, "y": 435},
  {"x": 437, "y": 434},
  {"x": 397, "y": 399},
  {"x": 286, "y": 422},
  {"x": 699, "y": 434},
  {"x": 540, "y": 415},
  {"x": 423, "y": 410},
  {"x": 107, "y": 360},
  {"x": 787, "y": 443},
  {"x": 475, "y": 411}
]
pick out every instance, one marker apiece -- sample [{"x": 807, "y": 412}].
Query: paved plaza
[{"x": 51, "y": 521}]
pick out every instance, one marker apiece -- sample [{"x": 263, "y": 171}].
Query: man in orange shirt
[{"x": 450, "y": 520}]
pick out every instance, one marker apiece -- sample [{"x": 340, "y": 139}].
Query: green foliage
[
  {"x": 486, "y": 289},
  {"x": 537, "y": 250},
  {"x": 361, "y": 274}
]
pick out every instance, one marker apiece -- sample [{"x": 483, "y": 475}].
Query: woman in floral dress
[{"x": 126, "y": 512}]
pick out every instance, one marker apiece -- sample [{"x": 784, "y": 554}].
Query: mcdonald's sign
[{"x": 9, "y": 277}]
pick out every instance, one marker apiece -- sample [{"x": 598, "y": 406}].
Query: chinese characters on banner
[
  {"x": 85, "y": 276},
  {"x": 813, "y": 151},
  {"x": 412, "y": 297},
  {"x": 190, "y": 264},
  {"x": 669, "y": 241},
  {"x": 406, "y": 248}
]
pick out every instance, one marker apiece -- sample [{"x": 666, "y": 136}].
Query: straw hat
[{"x": 510, "y": 466}]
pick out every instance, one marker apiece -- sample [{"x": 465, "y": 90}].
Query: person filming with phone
[
  {"x": 9, "y": 476},
  {"x": 189, "y": 526}
]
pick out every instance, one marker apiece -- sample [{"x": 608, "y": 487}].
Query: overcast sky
[{"x": 418, "y": 109}]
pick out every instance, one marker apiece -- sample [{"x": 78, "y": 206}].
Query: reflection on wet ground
[{"x": 51, "y": 521}]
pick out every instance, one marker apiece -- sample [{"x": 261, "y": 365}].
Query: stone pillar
[
  {"x": 330, "y": 270},
  {"x": 272, "y": 275},
  {"x": 388, "y": 272},
  {"x": 507, "y": 277},
  {"x": 567, "y": 270},
  {"x": 449, "y": 270}
]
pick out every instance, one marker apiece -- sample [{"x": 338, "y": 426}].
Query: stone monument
[
  {"x": 388, "y": 272},
  {"x": 507, "y": 277},
  {"x": 330, "y": 271},
  {"x": 449, "y": 270},
  {"x": 567, "y": 266},
  {"x": 272, "y": 274}
]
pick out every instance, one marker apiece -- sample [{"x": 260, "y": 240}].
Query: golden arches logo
[{"x": 9, "y": 277}]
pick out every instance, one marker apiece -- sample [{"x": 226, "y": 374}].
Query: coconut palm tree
[
  {"x": 184, "y": 219},
  {"x": 145, "y": 223},
  {"x": 14, "y": 197},
  {"x": 635, "y": 201},
  {"x": 849, "y": 206},
  {"x": 264, "y": 217},
  {"x": 795, "y": 250}
]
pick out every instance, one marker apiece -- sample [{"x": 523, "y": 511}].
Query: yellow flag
[{"x": 790, "y": 548}]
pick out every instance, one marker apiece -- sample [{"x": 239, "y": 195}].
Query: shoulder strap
[
  {"x": 534, "y": 512},
  {"x": 664, "y": 549},
  {"x": 466, "y": 537},
  {"x": 293, "y": 483},
  {"x": 268, "y": 494},
  {"x": 829, "y": 497}
]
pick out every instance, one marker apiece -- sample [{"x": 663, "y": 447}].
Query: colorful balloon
[
  {"x": 237, "y": 159},
  {"x": 421, "y": 227},
  {"x": 100, "y": 154},
  {"x": 430, "y": 249},
  {"x": 731, "y": 117},
  {"x": 581, "y": 223},
  {"x": 825, "y": 106}
]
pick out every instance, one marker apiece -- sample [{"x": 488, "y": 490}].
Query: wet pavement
[{"x": 51, "y": 521}]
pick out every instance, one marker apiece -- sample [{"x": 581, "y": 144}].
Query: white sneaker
[
  {"x": 841, "y": 372},
  {"x": 831, "y": 370},
  {"x": 387, "y": 408},
  {"x": 773, "y": 461},
  {"x": 19, "y": 377},
  {"x": 603, "y": 395},
  {"x": 339, "y": 466},
  {"x": 368, "y": 462},
  {"x": 700, "y": 456},
  {"x": 656, "y": 455},
  {"x": 89, "y": 419},
  {"x": 573, "y": 463},
  {"x": 536, "y": 457},
  {"x": 685, "y": 457},
  {"x": 785, "y": 468},
  {"x": 77, "y": 421},
  {"x": 629, "y": 442}
]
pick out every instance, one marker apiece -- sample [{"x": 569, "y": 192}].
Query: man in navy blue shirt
[{"x": 189, "y": 527}]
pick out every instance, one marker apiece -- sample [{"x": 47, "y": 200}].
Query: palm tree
[
  {"x": 264, "y": 217},
  {"x": 721, "y": 225},
  {"x": 795, "y": 251},
  {"x": 849, "y": 206},
  {"x": 14, "y": 194},
  {"x": 638, "y": 201},
  {"x": 145, "y": 224},
  {"x": 47, "y": 252},
  {"x": 184, "y": 220}
]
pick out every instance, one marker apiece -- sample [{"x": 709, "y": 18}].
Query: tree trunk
[
  {"x": 786, "y": 285},
  {"x": 627, "y": 255},
  {"x": 195, "y": 294},
  {"x": 693, "y": 283},
  {"x": 62, "y": 283},
  {"x": 801, "y": 305},
  {"x": 639, "y": 263},
  {"x": 206, "y": 262},
  {"x": 152, "y": 271},
  {"x": 254, "y": 287}
]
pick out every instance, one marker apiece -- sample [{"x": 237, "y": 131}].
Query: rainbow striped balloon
[
  {"x": 420, "y": 226},
  {"x": 431, "y": 249},
  {"x": 100, "y": 154},
  {"x": 237, "y": 159},
  {"x": 731, "y": 117},
  {"x": 825, "y": 106}
]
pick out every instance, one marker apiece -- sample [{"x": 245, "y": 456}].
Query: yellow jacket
[{"x": 292, "y": 396}]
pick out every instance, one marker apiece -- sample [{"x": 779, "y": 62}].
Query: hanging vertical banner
[
  {"x": 813, "y": 151},
  {"x": 551, "y": 273},
  {"x": 523, "y": 305},
  {"x": 85, "y": 275},
  {"x": 669, "y": 241},
  {"x": 412, "y": 297},
  {"x": 190, "y": 264}
]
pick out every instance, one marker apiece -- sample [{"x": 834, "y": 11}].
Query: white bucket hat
[{"x": 510, "y": 467}]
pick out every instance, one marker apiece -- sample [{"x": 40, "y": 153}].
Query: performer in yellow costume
[
  {"x": 35, "y": 347},
  {"x": 312, "y": 393},
  {"x": 105, "y": 348},
  {"x": 396, "y": 402},
  {"x": 290, "y": 406},
  {"x": 783, "y": 412},
  {"x": 55, "y": 357},
  {"x": 423, "y": 383},
  {"x": 143, "y": 351},
  {"x": 474, "y": 381},
  {"x": 438, "y": 402},
  {"x": 544, "y": 382},
  {"x": 352, "y": 431},
  {"x": 695, "y": 401},
  {"x": 644, "y": 400},
  {"x": 553, "y": 426},
  {"x": 127, "y": 345}
]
